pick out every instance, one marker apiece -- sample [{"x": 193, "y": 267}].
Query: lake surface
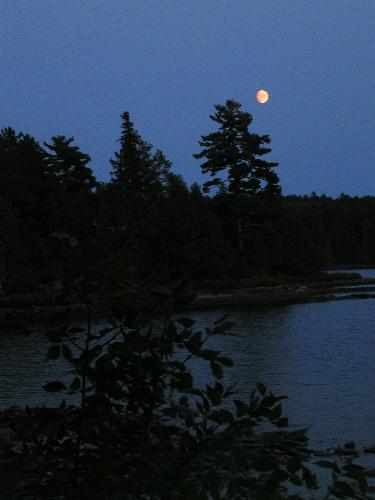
[{"x": 322, "y": 355}]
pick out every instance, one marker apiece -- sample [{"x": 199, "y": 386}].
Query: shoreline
[
  {"x": 33, "y": 308},
  {"x": 286, "y": 294}
]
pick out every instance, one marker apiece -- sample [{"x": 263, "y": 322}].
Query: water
[{"x": 322, "y": 355}]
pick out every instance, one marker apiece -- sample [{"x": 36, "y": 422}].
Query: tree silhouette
[
  {"x": 135, "y": 169},
  {"x": 236, "y": 153},
  {"x": 69, "y": 164},
  {"x": 235, "y": 150}
]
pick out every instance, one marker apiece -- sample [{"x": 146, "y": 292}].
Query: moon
[{"x": 262, "y": 96}]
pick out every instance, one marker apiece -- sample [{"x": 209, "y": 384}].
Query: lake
[{"x": 321, "y": 355}]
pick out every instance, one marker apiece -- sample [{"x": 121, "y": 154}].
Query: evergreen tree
[
  {"x": 138, "y": 172},
  {"x": 69, "y": 164},
  {"x": 235, "y": 151},
  {"x": 160, "y": 168},
  {"x": 31, "y": 198},
  {"x": 77, "y": 182},
  {"x": 139, "y": 184},
  {"x": 233, "y": 159}
]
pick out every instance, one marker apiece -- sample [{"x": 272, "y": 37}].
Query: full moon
[{"x": 262, "y": 96}]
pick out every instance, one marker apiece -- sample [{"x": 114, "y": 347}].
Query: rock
[{"x": 324, "y": 453}]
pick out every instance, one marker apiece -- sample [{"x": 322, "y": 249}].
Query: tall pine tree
[
  {"x": 233, "y": 159},
  {"x": 236, "y": 153}
]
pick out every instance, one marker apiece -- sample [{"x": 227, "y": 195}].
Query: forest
[{"x": 155, "y": 228}]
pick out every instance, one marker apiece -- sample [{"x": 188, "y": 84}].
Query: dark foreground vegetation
[
  {"x": 144, "y": 430},
  {"x": 132, "y": 249}
]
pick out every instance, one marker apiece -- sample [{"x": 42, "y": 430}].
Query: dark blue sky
[{"x": 72, "y": 67}]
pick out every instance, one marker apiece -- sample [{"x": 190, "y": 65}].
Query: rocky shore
[
  {"x": 38, "y": 307},
  {"x": 360, "y": 288},
  {"x": 35, "y": 307}
]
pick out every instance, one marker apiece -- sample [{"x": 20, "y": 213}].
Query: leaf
[
  {"x": 221, "y": 417},
  {"x": 276, "y": 412},
  {"x": 216, "y": 370},
  {"x": 350, "y": 467},
  {"x": 104, "y": 331},
  {"x": 309, "y": 478},
  {"x": 223, "y": 328},
  {"x": 295, "y": 480},
  {"x": 214, "y": 394},
  {"x": 76, "y": 384},
  {"x": 221, "y": 320},
  {"x": 185, "y": 322},
  {"x": 225, "y": 361},
  {"x": 208, "y": 354},
  {"x": 53, "y": 352},
  {"x": 182, "y": 381},
  {"x": 299, "y": 435},
  {"x": 326, "y": 464},
  {"x": 345, "y": 489},
  {"x": 67, "y": 353},
  {"x": 282, "y": 422},
  {"x": 54, "y": 386},
  {"x": 196, "y": 339},
  {"x": 261, "y": 388},
  {"x": 242, "y": 408}
]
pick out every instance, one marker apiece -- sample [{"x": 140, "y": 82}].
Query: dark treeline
[{"x": 153, "y": 227}]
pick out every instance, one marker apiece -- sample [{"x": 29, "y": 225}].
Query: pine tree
[
  {"x": 235, "y": 151},
  {"x": 69, "y": 164},
  {"x": 233, "y": 159},
  {"x": 140, "y": 173},
  {"x": 138, "y": 176}
]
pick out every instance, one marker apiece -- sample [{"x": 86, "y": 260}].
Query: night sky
[{"x": 72, "y": 67}]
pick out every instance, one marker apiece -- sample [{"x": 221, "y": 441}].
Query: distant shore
[
  {"x": 36, "y": 307},
  {"x": 343, "y": 289}
]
